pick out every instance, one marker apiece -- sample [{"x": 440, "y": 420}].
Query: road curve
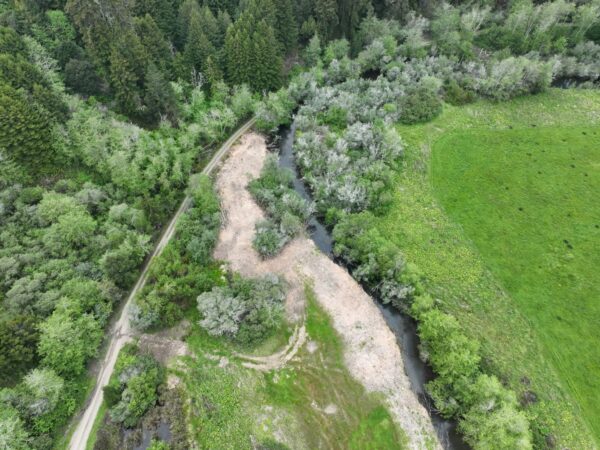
[{"x": 121, "y": 333}]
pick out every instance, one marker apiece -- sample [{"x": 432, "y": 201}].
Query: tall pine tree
[
  {"x": 286, "y": 28},
  {"x": 253, "y": 54},
  {"x": 267, "y": 74},
  {"x": 198, "y": 47}
]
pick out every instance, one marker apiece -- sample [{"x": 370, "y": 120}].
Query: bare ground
[{"x": 371, "y": 352}]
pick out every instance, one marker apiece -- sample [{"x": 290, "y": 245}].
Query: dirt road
[
  {"x": 121, "y": 332},
  {"x": 371, "y": 352}
]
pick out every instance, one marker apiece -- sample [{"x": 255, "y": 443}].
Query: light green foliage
[
  {"x": 46, "y": 389},
  {"x": 158, "y": 445},
  {"x": 337, "y": 49},
  {"x": 67, "y": 341},
  {"x": 12, "y": 431},
  {"x": 512, "y": 77},
  {"x": 274, "y": 110},
  {"x": 365, "y": 424},
  {"x": 245, "y": 310},
  {"x": 312, "y": 53},
  {"x": 493, "y": 421}
]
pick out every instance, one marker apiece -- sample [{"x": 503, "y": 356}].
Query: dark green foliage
[
  {"x": 198, "y": 47},
  {"x": 286, "y": 29},
  {"x": 11, "y": 43},
  {"x": 154, "y": 43},
  {"x": 133, "y": 386},
  {"x": 163, "y": 12},
  {"x": 457, "y": 95},
  {"x": 420, "y": 105},
  {"x": 127, "y": 62},
  {"x": 25, "y": 128},
  {"x": 18, "y": 340},
  {"x": 81, "y": 76},
  {"x": 327, "y": 18},
  {"x": 159, "y": 98},
  {"x": 252, "y": 54}
]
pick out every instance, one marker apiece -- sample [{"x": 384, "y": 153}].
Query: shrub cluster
[
  {"x": 288, "y": 212},
  {"x": 185, "y": 268},
  {"x": 133, "y": 386},
  {"x": 246, "y": 310}
]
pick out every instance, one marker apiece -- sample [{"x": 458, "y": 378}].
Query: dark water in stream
[{"x": 403, "y": 326}]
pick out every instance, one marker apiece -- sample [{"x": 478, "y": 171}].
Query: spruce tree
[
  {"x": 162, "y": 11},
  {"x": 286, "y": 28},
  {"x": 127, "y": 71},
  {"x": 267, "y": 60},
  {"x": 159, "y": 97},
  {"x": 183, "y": 21},
  {"x": 327, "y": 18},
  {"x": 210, "y": 26},
  {"x": 198, "y": 47},
  {"x": 25, "y": 128},
  {"x": 154, "y": 43},
  {"x": 239, "y": 49}
]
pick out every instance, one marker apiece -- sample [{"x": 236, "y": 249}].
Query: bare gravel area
[{"x": 371, "y": 352}]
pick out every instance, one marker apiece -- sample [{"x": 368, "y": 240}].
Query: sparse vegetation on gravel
[{"x": 288, "y": 213}]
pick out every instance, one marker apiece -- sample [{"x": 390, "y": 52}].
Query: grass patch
[
  {"x": 472, "y": 284},
  {"x": 232, "y": 407},
  {"x": 98, "y": 421},
  {"x": 332, "y": 408}
]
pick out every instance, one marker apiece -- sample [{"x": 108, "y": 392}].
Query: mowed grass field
[{"x": 498, "y": 206}]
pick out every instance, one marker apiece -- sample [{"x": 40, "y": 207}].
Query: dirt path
[
  {"x": 371, "y": 352},
  {"x": 121, "y": 333}
]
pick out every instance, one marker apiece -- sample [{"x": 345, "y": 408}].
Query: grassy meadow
[{"x": 497, "y": 205}]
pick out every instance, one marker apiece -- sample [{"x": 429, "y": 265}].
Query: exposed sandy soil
[{"x": 371, "y": 352}]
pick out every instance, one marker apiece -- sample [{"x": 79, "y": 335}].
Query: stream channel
[{"x": 402, "y": 325}]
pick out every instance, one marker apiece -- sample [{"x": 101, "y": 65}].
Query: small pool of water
[{"x": 402, "y": 325}]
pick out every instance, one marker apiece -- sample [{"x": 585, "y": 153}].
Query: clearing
[
  {"x": 497, "y": 205},
  {"x": 350, "y": 371}
]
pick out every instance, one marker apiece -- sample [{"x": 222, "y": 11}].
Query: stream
[{"x": 402, "y": 325}]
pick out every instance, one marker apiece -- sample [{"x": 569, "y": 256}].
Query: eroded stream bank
[
  {"x": 371, "y": 352},
  {"x": 403, "y": 326}
]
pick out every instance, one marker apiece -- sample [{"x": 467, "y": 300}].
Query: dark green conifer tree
[
  {"x": 198, "y": 47},
  {"x": 127, "y": 70},
  {"x": 154, "y": 43},
  {"x": 327, "y": 18},
  {"x": 267, "y": 59},
  {"x": 25, "y": 128},
  {"x": 239, "y": 50},
  {"x": 162, "y": 11},
  {"x": 286, "y": 28},
  {"x": 159, "y": 97},
  {"x": 183, "y": 21}
]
